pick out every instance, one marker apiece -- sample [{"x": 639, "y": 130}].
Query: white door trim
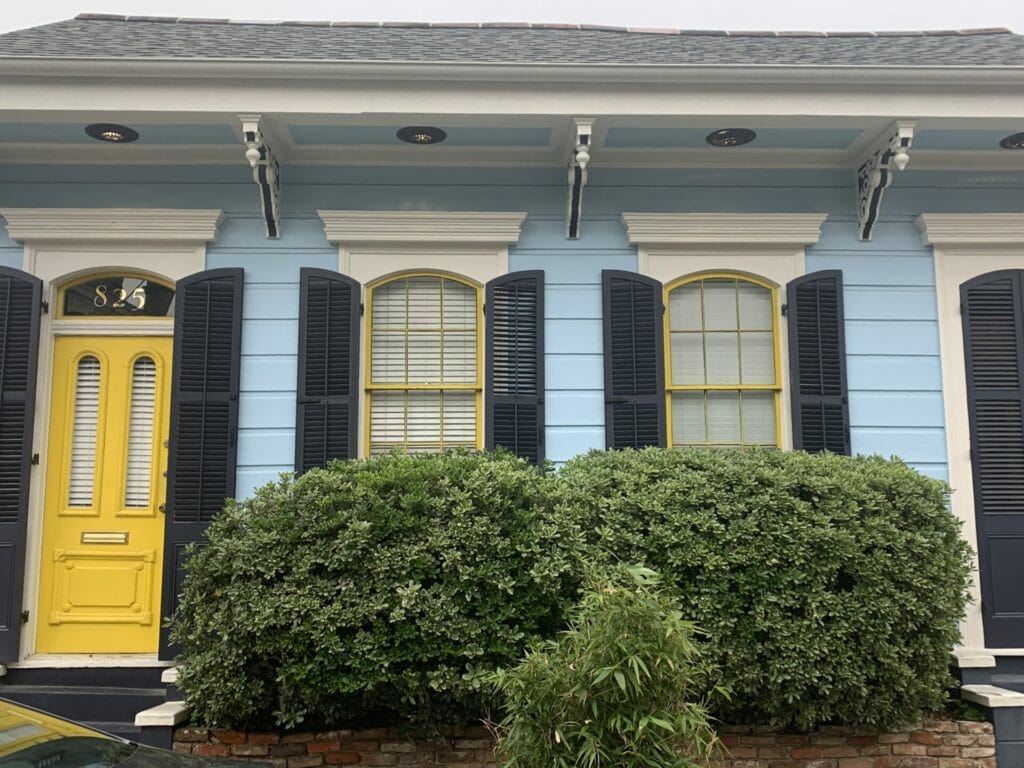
[{"x": 168, "y": 244}]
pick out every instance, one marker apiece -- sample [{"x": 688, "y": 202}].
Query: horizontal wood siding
[
  {"x": 892, "y": 340},
  {"x": 574, "y": 371},
  {"x": 894, "y": 373},
  {"x": 266, "y": 433}
]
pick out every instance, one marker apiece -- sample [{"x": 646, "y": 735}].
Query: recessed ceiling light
[
  {"x": 115, "y": 134},
  {"x": 1014, "y": 141},
  {"x": 421, "y": 134},
  {"x": 730, "y": 137}
]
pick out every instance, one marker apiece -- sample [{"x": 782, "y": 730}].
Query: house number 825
[{"x": 121, "y": 298}]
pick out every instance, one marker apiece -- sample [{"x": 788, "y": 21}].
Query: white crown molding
[
  {"x": 106, "y": 224},
  {"x": 422, "y": 226},
  {"x": 971, "y": 228},
  {"x": 723, "y": 228}
]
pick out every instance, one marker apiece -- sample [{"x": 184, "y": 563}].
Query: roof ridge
[{"x": 550, "y": 26}]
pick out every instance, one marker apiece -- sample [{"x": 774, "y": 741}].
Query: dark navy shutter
[
  {"x": 514, "y": 397},
  {"x": 327, "y": 394},
  {"x": 20, "y": 308},
  {"x": 993, "y": 319},
  {"x": 204, "y": 415},
  {"x": 817, "y": 363},
  {"x": 634, "y": 360}
]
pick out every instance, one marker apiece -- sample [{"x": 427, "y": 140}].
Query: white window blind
[
  {"x": 721, "y": 335},
  {"x": 83, "y": 432},
  {"x": 140, "y": 434},
  {"x": 423, "y": 341}
]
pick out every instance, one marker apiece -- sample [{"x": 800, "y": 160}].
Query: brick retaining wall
[{"x": 929, "y": 744}]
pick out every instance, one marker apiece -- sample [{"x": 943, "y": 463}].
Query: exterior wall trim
[
  {"x": 723, "y": 228},
  {"x": 946, "y": 229},
  {"x": 422, "y": 226},
  {"x": 119, "y": 224},
  {"x": 966, "y": 245}
]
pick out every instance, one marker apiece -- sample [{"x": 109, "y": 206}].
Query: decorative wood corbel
[
  {"x": 266, "y": 172},
  {"x": 874, "y": 173},
  {"x": 578, "y": 176}
]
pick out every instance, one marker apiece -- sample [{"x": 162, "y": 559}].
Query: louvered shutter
[
  {"x": 204, "y": 415},
  {"x": 20, "y": 308},
  {"x": 327, "y": 394},
  {"x": 993, "y": 320},
  {"x": 817, "y": 363},
  {"x": 634, "y": 360},
  {"x": 514, "y": 398}
]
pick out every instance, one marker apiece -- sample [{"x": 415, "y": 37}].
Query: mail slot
[{"x": 104, "y": 537}]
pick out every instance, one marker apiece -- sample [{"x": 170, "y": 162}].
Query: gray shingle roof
[{"x": 101, "y": 36}]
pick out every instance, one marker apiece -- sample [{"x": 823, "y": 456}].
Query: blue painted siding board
[
  {"x": 266, "y": 337},
  {"x": 878, "y": 302},
  {"x": 547, "y": 233},
  {"x": 573, "y": 301},
  {"x": 269, "y": 373},
  {"x": 12, "y": 257},
  {"x": 894, "y": 268},
  {"x": 574, "y": 409},
  {"x": 267, "y": 410},
  {"x": 574, "y": 269},
  {"x": 265, "y": 447},
  {"x": 270, "y": 301},
  {"x": 914, "y": 444},
  {"x": 883, "y": 409},
  {"x": 892, "y": 337},
  {"x": 939, "y": 470},
  {"x": 297, "y": 232},
  {"x": 839, "y": 232},
  {"x": 881, "y": 374},
  {"x": 572, "y": 337},
  {"x": 249, "y": 479},
  {"x": 566, "y": 442},
  {"x": 269, "y": 266},
  {"x": 574, "y": 373}
]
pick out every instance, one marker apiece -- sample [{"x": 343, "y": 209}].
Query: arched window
[
  {"x": 424, "y": 377},
  {"x": 723, "y": 362}
]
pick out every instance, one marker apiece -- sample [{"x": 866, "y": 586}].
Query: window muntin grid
[
  {"x": 721, "y": 341},
  {"x": 424, "y": 378}
]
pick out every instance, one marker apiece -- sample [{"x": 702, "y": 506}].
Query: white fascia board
[
  {"x": 276, "y": 69},
  {"x": 315, "y": 88}
]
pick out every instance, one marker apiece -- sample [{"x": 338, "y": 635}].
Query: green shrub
[
  {"x": 621, "y": 687},
  {"x": 830, "y": 588},
  {"x": 372, "y": 590}
]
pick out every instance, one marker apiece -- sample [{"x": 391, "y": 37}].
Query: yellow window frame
[
  {"x": 667, "y": 341},
  {"x": 370, "y": 387}
]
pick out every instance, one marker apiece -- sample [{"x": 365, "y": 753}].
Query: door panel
[{"x": 103, "y": 527}]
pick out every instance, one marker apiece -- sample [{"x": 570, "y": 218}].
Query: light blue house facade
[{"x": 465, "y": 285}]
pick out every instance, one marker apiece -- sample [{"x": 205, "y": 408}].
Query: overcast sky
[{"x": 683, "y": 14}]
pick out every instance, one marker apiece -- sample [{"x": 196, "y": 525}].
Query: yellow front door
[{"x": 103, "y": 529}]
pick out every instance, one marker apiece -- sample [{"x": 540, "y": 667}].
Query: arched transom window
[
  {"x": 424, "y": 380},
  {"x": 723, "y": 370}
]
